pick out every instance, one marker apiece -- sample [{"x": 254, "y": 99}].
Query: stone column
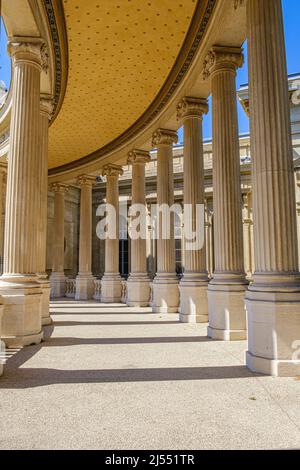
[
  {"x": 138, "y": 286},
  {"x": 111, "y": 288},
  {"x": 22, "y": 293},
  {"x": 3, "y": 179},
  {"x": 248, "y": 234},
  {"x": 46, "y": 109},
  {"x": 193, "y": 285},
  {"x": 165, "y": 284},
  {"x": 273, "y": 299},
  {"x": 58, "y": 278},
  {"x": 226, "y": 291},
  {"x": 85, "y": 279}
]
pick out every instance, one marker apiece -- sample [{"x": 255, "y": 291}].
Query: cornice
[
  {"x": 57, "y": 28},
  {"x": 184, "y": 60}
]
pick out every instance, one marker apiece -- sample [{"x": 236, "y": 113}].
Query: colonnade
[{"x": 272, "y": 300}]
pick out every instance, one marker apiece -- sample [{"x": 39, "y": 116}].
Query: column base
[
  {"x": 226, "y": 312},
  {"x": 138, "y": 290},
  {"x": 45, "y": 313},
  {"x": 165, "y": 294},
  {"x": 193, "y": 300},
  {"x": 273, "y": 333},
  {"x": 57, "y": 285},
  {"x": 84, "y": 286},
  {"x": 21, "y": 322},
  {"x": 111, "y": 288}
]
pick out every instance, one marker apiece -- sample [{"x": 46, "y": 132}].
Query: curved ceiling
[{"x": 120, "y": 54}]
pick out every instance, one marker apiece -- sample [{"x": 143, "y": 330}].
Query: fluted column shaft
[
  {"x": 22, "y": 203},
  {"x": 191, "y": 112},
  {"x": 273, "y": 299},
  {"x": 58, "y": 248},
  {"x": 193, "y": 285},
  {"x": 85, "y": 239},
  {"x": 112, "y": 244},
  {"x": 226, "y": 291},
  {"x": 22, "y": 318},
  {"x": 165, "y": 285},
  {"x": 46, "y": 108},
  {"x": 111, "y": 289},
  {"x": 3, "y": 175},
  {"x": 274, "y": 211},
  {"x": 138, "y": 160},
  {"x": 138, "y": 286},
  {"x": 85, "y": 280},
  {"x": 165, "y": 195},
  {"x": 228, "y": 229}
]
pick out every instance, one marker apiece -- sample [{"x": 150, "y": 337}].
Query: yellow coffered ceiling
[{"x": 120, "y": 54}]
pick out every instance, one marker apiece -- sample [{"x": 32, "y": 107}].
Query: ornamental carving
[
  {"x": 164, "y": 137},
  {"x": 220, "y": 58},
  {"x": 59, "y": 188},
  {"x": 46, "y": 106},
  {"x": 138, "y": 156},
  {"x": 44, "y": 57},
  {"x": 191, "y": 107},
  {"x": 86, "y": 180},
  {"x": 112, "y": 170}
]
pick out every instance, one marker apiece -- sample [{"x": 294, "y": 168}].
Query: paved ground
[{"x": 112, "y": 377}]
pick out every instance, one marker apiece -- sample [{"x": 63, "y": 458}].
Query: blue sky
[{"x": 291, "y": 10}]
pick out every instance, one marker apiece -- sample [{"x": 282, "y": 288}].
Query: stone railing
[
  {"x": 124, "y": 291},
  {"x": 97, "y": 289},
  {"x": 70, "y": 288}
]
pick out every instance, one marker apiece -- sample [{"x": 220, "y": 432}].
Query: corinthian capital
[
  {"x": 86, "y": 180},
  {"x": 222, "y": 58},
  {"x": 29, "y": 49},
  {"x": 191, "y": 107},
  {"x": 164, "y": 137},
  {"x": 59, "y": 188},
  {"x": 138, "y": 156},
  {"x": 112, "y": 170}
]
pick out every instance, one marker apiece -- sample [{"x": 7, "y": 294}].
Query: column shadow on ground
[{"x": 38, "y": 377}]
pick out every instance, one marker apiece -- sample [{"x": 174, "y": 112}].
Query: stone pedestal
[
  {"x": 21, "y": 293},
  {"x": 45, "y": 301},
  {"x": 193, "y": 285},
  {"x": 165, "y": 284},
  {"x": 85, "y": 279},
  {"x": 111, "y": 288},
  {"x": 226, "y": 291},
  {"x": 273, "y": 299},
  {"x": 57, "y": 278},
  {"x": 138, "y": 283},
  {"x": 21, "y": 322}
]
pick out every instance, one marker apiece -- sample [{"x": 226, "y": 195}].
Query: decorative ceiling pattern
[{"x": 120, "y": 54}]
